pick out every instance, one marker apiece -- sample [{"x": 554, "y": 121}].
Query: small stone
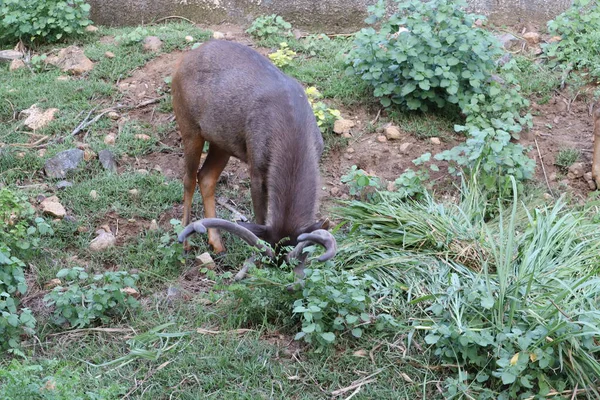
[
  {"x": 16, "y": 64},
  {"x": 229, "y": 36},
  {"x": 93, "y": 195},
  {"x": 508, "y": 40},
  {"x": 134, "y": 192},
  {"x": 504, "y": 59},
  {"x": 548, "y": 196},
  {"x": 113, "y": 115},
  {"x": 153, "y": 226},
  {"x": 82, "y": 229},
  {"x": 142, "y": 171},
  {"x": 63, "y": 185},
  {"x": 142, "y": 136},
  {"x": 91, "y": 28},
  {"x": 152, "y": 43},
  {"x": 577, "y": 170},
  {"x": 37, "y": 118},
  {"x": 349, "y": 150},
  {"x": 404, "y": 147},
  {"x": 52, "y": 283},
  {"x": 381, "y": 139},
  {"x": 435, "y": 141},
  {"x": 552, "y": 177},
  {"x": 20, "y": 154},
  {"x": 158, "y": 169},
  {"x": 392, "y": 132},
  {"x": 72, "y": 60},
  {"x": 52, "y": 207},
  {"x": 204, "y": 260},
  {"x": 189, "y": 38},
  {"x": 343, "y": 126},
  {"x": 347, "y": 135},
  {"x": 218, "y": 35},
  {"x": 390, "y": 187},
  {"x": 532, "y": 38},
  {"x": 103, "y": 241},
  {"x": 62, "y": 78},
  {"x": 348, "y": 156},
  {"x": 537, "y": 51},
  {"x": 89, "y": 154},
  {"x": 109, "y": 54},
  {"x": 82, "y": 146},
  {"x": 41, "y": 153},
  {"x": 107, "y": 159},
  {"x": 335, "y": 191},
  {"x": 131, "y": 292},
  {"x": 59, "y": 165},
  {"x": 109, "y": 139},
  {"x": 590, "y": 180}
]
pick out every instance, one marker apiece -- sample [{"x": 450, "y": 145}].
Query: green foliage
[
  {"x": 84, "y": 300},
  {"x": 412, "y": 183},
  {"x": 325, "y": 116},
  {"x": 269, "y": 26},
  {"x": 427, "y": 53},
  {"x": 133, "y": 37},
  {"x": 19, "y": 237},
  {"x": 579, "y": 30},
  {"x": 42, "y": 20},
  {"x": 283, "y": 56},
  {"x": 566, "y": 158},
  {"x": 360, "y": 183}
]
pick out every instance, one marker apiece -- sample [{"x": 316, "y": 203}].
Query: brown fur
[{"x": 237, "y": 100}]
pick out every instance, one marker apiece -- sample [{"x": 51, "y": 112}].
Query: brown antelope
[
  {"x": 234, "y": 98},
  {"x": 596, "y": 159}
]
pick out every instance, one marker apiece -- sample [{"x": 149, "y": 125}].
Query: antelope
[
  {"x": 235, "y": 99},
  {"x": 596, "y": 157}
]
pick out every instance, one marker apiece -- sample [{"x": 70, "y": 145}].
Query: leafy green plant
[
  {"x": 42, "y": 20},
  {"x": 577, "y": 31},
  {"x": 427, "y": 53},
  {"x": 565, "y": 158},
  {"x": 84, "y": 299},
  {"x": 133, "y": 37},
  {"x": 325, "y": 115},
  {"x": 268, "y": 26},
  {"x": 360, "y": 183},
  {"x": 283, "y": 56}
]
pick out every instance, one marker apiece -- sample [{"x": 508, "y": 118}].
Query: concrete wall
[{"x": 323, "y": 15}]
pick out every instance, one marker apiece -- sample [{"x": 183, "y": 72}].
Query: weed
[
  {"x": 361, "y": 184},
  {"x": 270, "y": 26},
  {"x": 565, "y": 158},
  {"x": 283, "y": 56}
]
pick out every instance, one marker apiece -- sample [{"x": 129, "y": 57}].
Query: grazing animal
[{"x": 229, "y": 95}]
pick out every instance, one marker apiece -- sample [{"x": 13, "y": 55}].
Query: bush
[
  {"x": 428, "y": 53},
  {"x": 42, "y": 20},
  {"x": 325, "y": 116},
  {"x": 269, "y": 26},
  {"x": 84, "y": 301},
  {"x": 283, "y": 56},
  {"x": 579, "y": 32}
]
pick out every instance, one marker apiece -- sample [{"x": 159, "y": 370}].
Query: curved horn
[
  {"x": 322, "y": 237},
  {"x": 218, "y": 223}
]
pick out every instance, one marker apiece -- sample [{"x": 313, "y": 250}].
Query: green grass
[
  {"x": 536, "y": 80},
  {"x": 565, "y": 158}
]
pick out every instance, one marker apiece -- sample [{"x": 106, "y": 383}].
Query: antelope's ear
[
  {"x": 321, "y": 224},
  {"x": 259, "y": 230}
]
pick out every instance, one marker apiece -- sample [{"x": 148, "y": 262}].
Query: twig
[
  {"x": 543, "y": 168},
  {"x": 376, "y": 117},
  {"x": 307, "y": 373},
  {"x": 174, "y": 17},
  {"x": 561, "y": 311},
  {"x": 82, "y": 123},
  {"x": 30, "y": 145},
  {"x": 329, "y": 35},
  {"x": 107, "y": 330},
  {"x": 223, "y": 201},
  {"x": 573, "y": 392},
  {"x": 355, "y": 385},
  {"x": 353, "y": 393}
]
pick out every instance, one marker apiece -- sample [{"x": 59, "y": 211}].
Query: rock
[
  {"x": 218, "y": 35},
  {"x": 504, "y": 59},
  {"x": 158, "y": 169},
  {"x": 113, "y": 115},
  {"x": 153, "y": 226},
  {"x": 346, "y": 135},
  {"x": 37, "y": 118},
  {"x": 343, "y": 126},
  {"x": 131, "y": 292},
  {"x": 435, "y": 141},
  {"x": 552, "y": 176},
  {"x": 15, "y": 65},
  {"x": 152, "y": 43},
  {"x": 134, "y": 192},
  {"x": 532, "y": 38},
  {"x": 52, "y": 283},
  {"x": 63, "y": 162},
  {"x": 109, "y": 54},
  {"x": 229, "y": 36},
  {"x": 62, "y": 78},
  {"x": 41, "y": 153},
  {"x": 548, "y": 196},
  {"x": 537, "y": 51},
  {"x": 52, "y": 207},
  {"x": 404, "y": 147},
  {"x": 590, "y": 180},
  {"x": 109, "y": 139},
  {"x": 577, "y": 170},
  {"x": 91, "y": 28},
  {"x": 381, "y": 139},
  {"x": 204, "y": 260},
  {"x": 63, "y": 185},
  {"x": 349, "y": 150},
  {"x": 392, "y": 132},
  {"x": 189, "y": 38},
  {"x": 391, "y": 186},
  {"x": 107, "y": 159},
  {"x": 508, "y": 40},
  {"x": 142, "y": 136},
  {"x": 93, "y": 195},
  {"x": 89, "y": 154},
  {"x": 10, "y": 55},
  {"x": 103, "y": 241},
  {"x": 335, "y": 191},
  {"x": 142, "y": 171},
  {"x": 72, "y": 60}
]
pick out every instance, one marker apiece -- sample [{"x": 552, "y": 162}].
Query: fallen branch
[
  {"x": 30, "y": 145},
  {"x": 543, "y": 168},
  {"x": 203, "y": 331},
  {"x": 174, "y": 17}
]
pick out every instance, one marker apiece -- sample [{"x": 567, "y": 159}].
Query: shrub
[
  {"x": 268, "y": 26},
  {"x": 579, "y": 31},
  {"x": 84, "y": 301},
  {"x": 361, "y": 184},
  {"x": 428, "y": 53},
  {"x": 283, "y": 56},
  {"x": 42, "y": 20},
  {"x": 325, "y": 116},
  {"x": 566, "y": 158}
]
